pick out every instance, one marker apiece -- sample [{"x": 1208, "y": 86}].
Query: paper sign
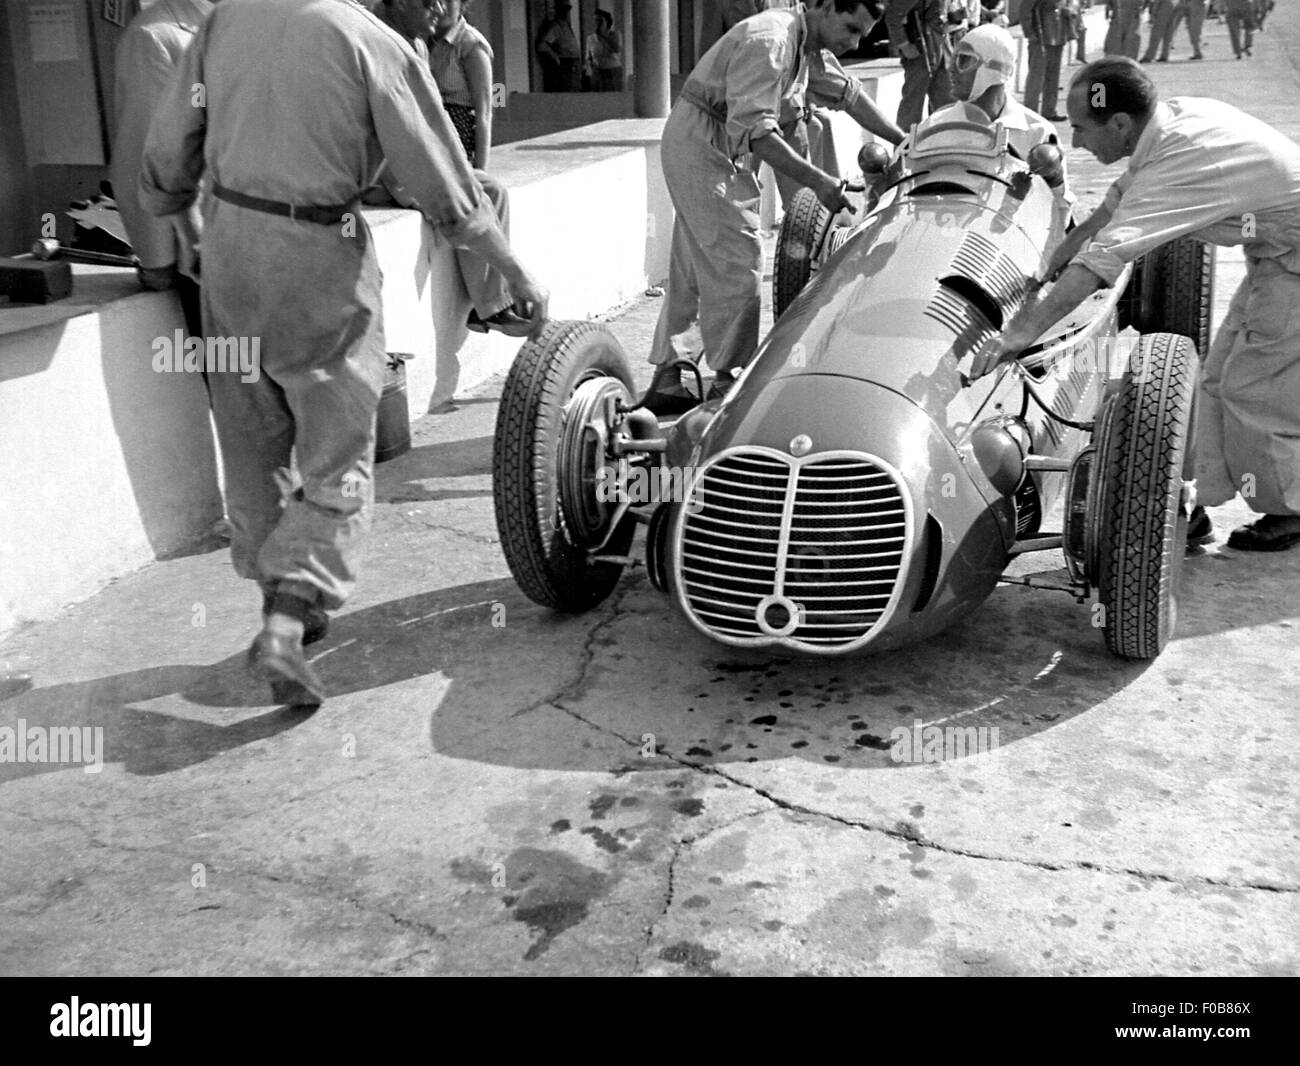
[{"x": 52, "y": 29}]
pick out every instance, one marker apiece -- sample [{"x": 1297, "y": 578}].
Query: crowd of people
[{"x": 399, "y": 98}]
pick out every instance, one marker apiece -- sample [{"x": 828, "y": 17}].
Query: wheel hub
[{"x": 583, "y": 452}]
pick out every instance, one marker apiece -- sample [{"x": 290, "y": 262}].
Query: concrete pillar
[{"x": 650, "y": 55}]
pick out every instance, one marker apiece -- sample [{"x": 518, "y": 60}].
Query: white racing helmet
[{"x": 996, "y": 52}]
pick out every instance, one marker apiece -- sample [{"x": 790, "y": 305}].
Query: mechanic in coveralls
[
  {"x": 1204, "y": 168},
  {"x": 290, "y": 106},
  {"x": 808, "y": 131},
  {"x": 719, "y": 131}
]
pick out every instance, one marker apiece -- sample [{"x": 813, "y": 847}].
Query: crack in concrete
[
  {"x": 475, "y": 538},
  {"x": 574, "y": 686},
  {"x": 314, "y": 888},
  {"x": 901, "y": 833},
  {"x": 679, "y": 846},
  {"x": 911, "y": 836}
]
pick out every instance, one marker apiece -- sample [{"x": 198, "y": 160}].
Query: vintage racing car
[{"x": 854, "y": 490}]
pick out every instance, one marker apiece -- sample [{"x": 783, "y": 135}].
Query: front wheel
[
  {"x": 1139, "y": 519},
  {"x": 547, "y": 455},
  {"x": 798, "y": 248}
]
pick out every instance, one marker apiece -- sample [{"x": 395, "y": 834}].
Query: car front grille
[{"x": 804, "y": 552}]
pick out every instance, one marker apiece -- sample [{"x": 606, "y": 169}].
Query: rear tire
[
  {"x": 798, "y": 248},
  {"x": 1172, "y": 291},
  {"x": 549, "y": 564},
  {"x": 1140, "y": 521}
]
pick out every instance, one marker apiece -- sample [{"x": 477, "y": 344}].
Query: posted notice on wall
[{"x": 52, "y": 30}]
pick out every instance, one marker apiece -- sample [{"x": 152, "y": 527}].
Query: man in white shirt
[{"x": 1202, "y": 168}]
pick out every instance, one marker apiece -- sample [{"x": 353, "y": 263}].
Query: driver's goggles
[{"x": 965, "y": 61}]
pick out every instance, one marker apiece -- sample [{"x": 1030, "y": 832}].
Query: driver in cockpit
[{"x": 983, "y": 66}]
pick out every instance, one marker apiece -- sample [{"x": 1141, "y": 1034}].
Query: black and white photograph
[{"x": 650, "y": 488}]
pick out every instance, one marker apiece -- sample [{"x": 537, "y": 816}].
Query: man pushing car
[{"x": 1204, "y": 169}]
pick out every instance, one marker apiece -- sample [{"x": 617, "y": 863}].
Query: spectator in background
[
  {"x": 963, "y": 16},
  {"x": 1124, "y": 34},
  {"x": 1241, "y": 17},
  {"x": 147, "y": 56},
  {"x": 993, "y": 12},
  {"x": 1163, "y": 27},
  {"x": 461, "y": 61},
  {"x": 917, "y": 35},
  {"x": 605, "y": 55},
  {"x": 1162, "y": 31},
  {"x": 1046, "y": 31},
  {"x": 557, "y": 50},
  {"x": 1074, "y": 10},
  {"x": 489, "y": 294}
]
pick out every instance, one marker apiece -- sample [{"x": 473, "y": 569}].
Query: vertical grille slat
[{"x": 846, "y": 523}]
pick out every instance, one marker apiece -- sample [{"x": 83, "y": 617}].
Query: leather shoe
[
  {"x": 315, "y": 622},
  {"x": 1200, "y": 530},
  {"x": 1271, "y": 533},
  {"x": 276, "y": 658}
]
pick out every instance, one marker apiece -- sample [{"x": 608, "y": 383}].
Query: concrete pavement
[{"x": 495, "y": 789}]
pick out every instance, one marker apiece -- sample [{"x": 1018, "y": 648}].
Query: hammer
[{"x": 47, "y": 248}]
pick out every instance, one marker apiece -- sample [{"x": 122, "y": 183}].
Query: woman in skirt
[{"x": 461, "y": 62}]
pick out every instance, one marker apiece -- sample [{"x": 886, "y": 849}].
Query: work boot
[
  {"x": 315, "y": 625},
  {"x": 276, "y": 653},
  {"x": 667, "y": 396}
]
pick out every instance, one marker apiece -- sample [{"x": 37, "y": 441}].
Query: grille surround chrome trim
[{"x": 779, "y": 576}]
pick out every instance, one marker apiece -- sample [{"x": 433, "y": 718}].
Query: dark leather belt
[{"x": 325, "y": 216}]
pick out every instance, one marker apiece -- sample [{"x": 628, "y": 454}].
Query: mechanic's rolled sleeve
[
  {"x": 830, "y": 85},
  {"x": 1178, "y": 193},
  {"x": 756, "y": 73}
]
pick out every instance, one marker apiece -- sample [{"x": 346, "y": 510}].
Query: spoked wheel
[
  {"x": 547, "y": 454},
  {"x": 1138, "y": 528},
  {"x": 798, "y": 248}
]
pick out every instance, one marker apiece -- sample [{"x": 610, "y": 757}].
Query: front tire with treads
[
  {"x": 798, "y": 247},
  {"x": 1140, "y": 520},
  {"x": 550, "y": 568}
]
